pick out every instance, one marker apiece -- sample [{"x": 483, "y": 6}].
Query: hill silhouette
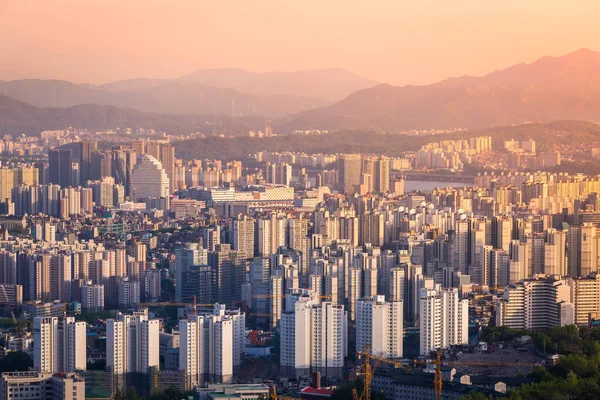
[{"x": 551, "y": 88}]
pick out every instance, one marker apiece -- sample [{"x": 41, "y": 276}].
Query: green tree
[
  {"x": 477, "y": 396},
  {"x": 16, "y": 361},
  {"x": 131, "y": 394}
]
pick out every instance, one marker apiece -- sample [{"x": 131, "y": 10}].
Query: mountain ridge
[
  {"x": 550, "y": 88},
  {"x": 220, "y": 91},
  {"x": 18, "y": 117}
]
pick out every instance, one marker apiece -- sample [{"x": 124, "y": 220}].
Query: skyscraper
[
  {"x": 167, "y": 159},
  {"x": 153, "y": 149},
  {"x": 149, "y": 179},
  {"x": 123, "y": 162},
  {"x": 223, "y": 262},
  {"x": 87, "y": 148},
  {"x": 61, "y": 167},
  {"x": 382, "y": 175},
  {"x": 139, "y": 146},
  {"x": 350, "y": 170},
  {"x": 185, "y": 258}
]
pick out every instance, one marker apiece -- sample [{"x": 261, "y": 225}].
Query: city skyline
[{"x": 181, "y": 219}]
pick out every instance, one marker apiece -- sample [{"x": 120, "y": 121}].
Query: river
[{"x": 428, "y": 186}]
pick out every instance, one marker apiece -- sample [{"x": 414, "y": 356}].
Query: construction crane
[
  {"x": 437, "y": 362},
  {"x": 14, "y": 318},
  {"x": 437, "y": 381},
  {"x": 12, "y": 312},
  {"x": 275, "y": 396},
  {"x": 176, "y": 304},
  {"x": 366, "y": 394},
  {"x": 269, "y": 296},
  {"x": 273, "y": 296}
]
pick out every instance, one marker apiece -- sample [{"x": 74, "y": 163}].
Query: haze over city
[{"x": 388, "y": 41}]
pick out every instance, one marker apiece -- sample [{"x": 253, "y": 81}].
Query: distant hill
[
  {"x": 18, "y": 117},
  {"x": 173, "y": 97},
  {"x": 364, "y": 141},
  {"x": 223, "y": 91},
  {"x": 550, "y": 88},
  {"x": 331, "y": 84}
]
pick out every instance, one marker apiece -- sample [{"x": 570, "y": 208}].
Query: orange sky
[{"x": 389, "y": 40}]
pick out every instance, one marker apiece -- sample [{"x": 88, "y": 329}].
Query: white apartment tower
[
  {"x": 313, "y": 336},
  {"x": 211, "y": 346},
  {"x": 192, "y": 349},
  {"x": 59, "y": 347},
  {"x": 92, "y": 297},
  {"x": 444, "y": 319},
  {"x": 537, "y": 303},
  {"x": 379, "y": 324},
  {"x": 132, "y": 343}
]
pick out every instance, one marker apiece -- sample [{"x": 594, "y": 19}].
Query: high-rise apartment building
[
  {"x": 313, "y": 337},
  {"x": 536, "y": 303},
  {"x": 139, "y": 146},
  {"x": 229, "y": 273},
  {"x": 92, "y": 297},
  {"x": 444, "y": 319},
  {"x": 211, "y": 346},
  {"x": 379, "y": 325},
  {"x": 243, "y": 236},
  {"x": 132, "y": 344},
  {"x": 586, "y": 299},
  {"x": 185, "y": 258},
  {"x": 59, "y": 346}
]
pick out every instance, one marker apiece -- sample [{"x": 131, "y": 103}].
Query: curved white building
[{"x": 149, "y": 178}]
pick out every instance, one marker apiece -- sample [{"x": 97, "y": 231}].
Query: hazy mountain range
[
  {"x": 551, "y": 88},
  {"x": 231, "y": 92},
  {"x": 18, "y": 117}
]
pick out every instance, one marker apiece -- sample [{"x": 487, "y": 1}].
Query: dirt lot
[
  {"x": 509, "y": 355},
  {"x": 260, "y": 367}
]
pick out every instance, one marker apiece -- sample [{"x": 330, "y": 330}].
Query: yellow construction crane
[
  {"x": 437, "y": 381},
  {"x": 20, "y": 332},
  {"x": 275, "y": 396},
  {"x": 272, "y": 296},
  {"x": 437, "y": 362},
  {"x": 175, "y": 304},
  {"x": 366, "y": 394}
]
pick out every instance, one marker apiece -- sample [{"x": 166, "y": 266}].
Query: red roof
[{"x": 317, "y": 392}]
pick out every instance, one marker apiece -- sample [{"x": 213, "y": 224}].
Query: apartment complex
[
  {"x": 313, "y": 336},
  {"x": 59, "y": 346},
  {"x": 379, "y": 325},
  {"x": 444, "y": 319}
]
